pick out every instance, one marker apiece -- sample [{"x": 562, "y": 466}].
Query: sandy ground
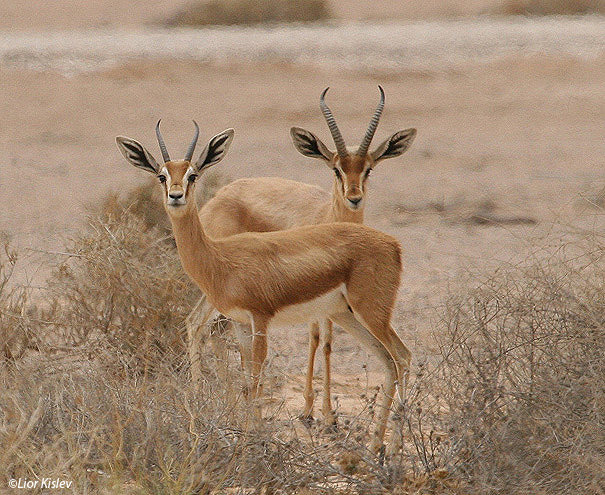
[{"x": 518, "y": 141}]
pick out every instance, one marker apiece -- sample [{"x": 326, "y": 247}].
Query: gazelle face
[
  {"x": 351, "y": 174},
  {"x": 351, "y": 166},
  {"x": 177, "y": 177},
  {"x": 178, "y": 181}
]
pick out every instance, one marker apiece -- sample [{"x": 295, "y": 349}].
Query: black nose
[
  {"x": 355, "y": 201},
  {"x": 175, "y": 195}
]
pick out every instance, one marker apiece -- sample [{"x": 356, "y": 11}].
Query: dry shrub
[
  {"x": 123, "y": 287},
  {"x": 522, "y": 376},
  {"x": 552, "y": 7},
  {"x": 86, "y": 419},
  {"x": 15, "y": 334},
  {"x": 143, "y": 202},
  {"x": 83, "y": 418},
  {"x": 106, "y": 401},
  {"x": 234, "y": 12}
]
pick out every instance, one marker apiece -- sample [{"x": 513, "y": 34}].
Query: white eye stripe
[
  {"x": 186, "y": 178},
  {"x": 189, "y": 176}
]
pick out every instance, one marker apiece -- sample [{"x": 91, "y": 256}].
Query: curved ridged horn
[
  {"x": 163, "y": 149},
  {"x": 191, "y": 149},
  {"x": 367, "y": 139},
  {"x": 341, "y": 148}
]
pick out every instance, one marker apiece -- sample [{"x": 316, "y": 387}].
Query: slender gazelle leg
[
  {"x": 385, "y": 349},
  {"x": 243, "y": 332},
  {"x": 319, "y": 333},
  {"x": 259, "y": 353},
  {"x": 326, "y": 407},
  {"x": 197, "y": 335},
  {"x": 308, "y": 393}
]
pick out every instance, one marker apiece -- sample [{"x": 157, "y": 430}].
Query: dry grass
[
  {"x": 552, "y": 7},
  {"x": 124, "y": 288},
  {"x": 103, "y": 398},
  {"x": 15, "y": 335},
  {"x": 517, "y": 403},
  {"x": 95, "y": 385},
  {"x": 241, "y": 12}
]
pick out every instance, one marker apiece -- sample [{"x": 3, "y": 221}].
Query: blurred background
[
  {"x": 507, "y": 97},
  {"x": 71, "y": 14}
]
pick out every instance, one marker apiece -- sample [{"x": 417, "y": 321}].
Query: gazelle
[
  {"x": 271, "y": 203},
  {"x": 345, "y": 272}
]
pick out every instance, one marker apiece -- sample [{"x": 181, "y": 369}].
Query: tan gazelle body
[
  {"x": 271, "y": 203},
  {"x": 343, "y": 272}
]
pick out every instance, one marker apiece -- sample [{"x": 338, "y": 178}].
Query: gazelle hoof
[
  {"x": 330, "y": 428},
  {"x": 306, "y": 419},
  {"x": 330, "y": 423}
]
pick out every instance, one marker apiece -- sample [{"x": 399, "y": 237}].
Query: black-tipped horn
[
  {"x": 341, "y": 148},
  {"x": 367, "y": 139},
  {"x": 191, "y": 149},
  {"x": 163, "y": 149}
]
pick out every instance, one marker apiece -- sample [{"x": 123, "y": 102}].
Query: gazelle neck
[
  {"x": 338, "y": 211},
  {"x": 198, "y": 253}
]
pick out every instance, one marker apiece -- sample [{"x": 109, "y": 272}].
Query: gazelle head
[
  {"x": 351, "y": 167},
  {"x": 177, "y": 177}
]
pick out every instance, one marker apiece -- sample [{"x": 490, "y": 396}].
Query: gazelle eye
[
  {"x": 368, "y": 172},
  {"x": 337, "y": 172},
  {"x": 192, "y": 178},
  {"x": 162, "y": 178}
]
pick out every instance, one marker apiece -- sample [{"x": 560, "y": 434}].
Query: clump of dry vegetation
[
  {"x": 94, "y": 385},
  {"x": 242, "y": 12},
  {"x": 123, "y": 288},
  {"x": 552, "y": 7},
  {"x": 516, "y": 402},
  {"x": 104, "y": 399},
  {"x": 14, "y": 328}
]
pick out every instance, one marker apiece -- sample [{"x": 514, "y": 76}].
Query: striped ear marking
[
  {"x": 396, "y": 145},
  {"x": 215, "y": 150},
  {"x": 136, "y": 154},
  {"x": 309, "y": 144}
]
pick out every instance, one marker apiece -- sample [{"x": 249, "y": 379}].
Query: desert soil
[{"x": 510, "y": 153}]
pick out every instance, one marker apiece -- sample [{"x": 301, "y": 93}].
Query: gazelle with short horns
[
  {"x": 345, "y": 272},
  {"x": 271, "y": 203}
]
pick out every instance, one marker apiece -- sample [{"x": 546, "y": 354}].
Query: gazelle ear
[
  {"x": 137, "y": 155},
  {"x": 310, "y": 145},
  {"x": 396, "y": 145},
  {"x": 215, "y": 150}
]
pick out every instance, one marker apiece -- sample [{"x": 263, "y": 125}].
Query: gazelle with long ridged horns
[
  {"x": 272, "y": 203},
  {"x": 345, "y": 272}
]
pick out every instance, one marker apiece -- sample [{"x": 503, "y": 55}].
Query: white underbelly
[{"x": 321, "y": 307}]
